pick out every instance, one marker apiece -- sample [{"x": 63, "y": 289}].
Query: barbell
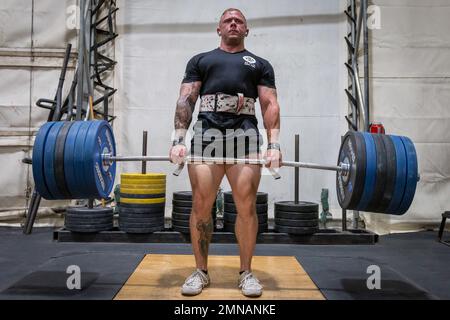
[{"x": 77, "y": 160}]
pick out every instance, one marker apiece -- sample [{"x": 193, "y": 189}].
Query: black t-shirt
[{"x": 230, "y": 73}]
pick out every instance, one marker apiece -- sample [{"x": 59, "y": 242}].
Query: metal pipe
[
  {"x": 358, "y": 29},
  {"x": 344, "y": 168},
  {"x": 144, "y": 151},
  {"x": 296, "y": 172},
  {"x": 366, "y": 63},
  {"x": 80, "y": 65}
]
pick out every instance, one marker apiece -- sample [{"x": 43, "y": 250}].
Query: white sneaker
[
  {"x": 250, "y": 285},
  {"x": 195, "y": 283}
]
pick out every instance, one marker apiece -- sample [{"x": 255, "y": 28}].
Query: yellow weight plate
[
  {"x": 140, "y": 182},
  {"x": 142, "y": 201},
  {"x": 142, "y": 191},
  {"x": 142, "y": 176},
  {"x": 143, "y": 186}
]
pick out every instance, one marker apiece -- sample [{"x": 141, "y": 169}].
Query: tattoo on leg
[{"x": 205, "y": 229}]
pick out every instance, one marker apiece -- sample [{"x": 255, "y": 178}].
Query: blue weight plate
[
  {"x": 49, "y": 161},
  {"x": 38, "y": 160},
  {"x": 69, "y": 156},
  {"x": 99, "y": 176},
  {"x": 79, "y": 162},
  {"x": 371, "y": 172},
  {"x": 401, "y": 173},
  {"x": 411, "y": 177}
]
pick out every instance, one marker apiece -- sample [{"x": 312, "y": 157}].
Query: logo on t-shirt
[{"x": 249, "y": 61}]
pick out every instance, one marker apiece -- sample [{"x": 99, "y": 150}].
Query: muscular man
[{"x": 228, "y": 79}]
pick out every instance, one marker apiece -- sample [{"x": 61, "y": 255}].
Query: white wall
[
  {"x": 410, "y": 95},
  {"x": 31, "y": 56}
]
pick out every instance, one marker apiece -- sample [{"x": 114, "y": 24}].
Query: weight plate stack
[
  {"x": 142, "y": 202},
  {"x": 230, "y": 211},
  {"x": 86, "y": 220},
  {"x": 181, "y": 211},
  {"x": 300, "y": 218}
]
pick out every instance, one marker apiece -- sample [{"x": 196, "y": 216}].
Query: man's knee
[{"x": 202, "y": 202}]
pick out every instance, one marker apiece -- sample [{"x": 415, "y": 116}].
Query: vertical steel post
[
  {"x": 297, "y": 171},
  {"x": 144, "y": 152}
]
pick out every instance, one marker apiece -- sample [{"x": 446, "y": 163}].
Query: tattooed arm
[
  {"x": 183, "y": 116},
  {"x": 185, "y": 107}
]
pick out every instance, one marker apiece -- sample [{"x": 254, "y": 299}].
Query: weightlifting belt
[{"x": 221, "y": 102}]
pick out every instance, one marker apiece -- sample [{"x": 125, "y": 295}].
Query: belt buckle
[{"x": 215, "y": 102}]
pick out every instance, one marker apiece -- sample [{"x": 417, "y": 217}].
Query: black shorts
[{"x": 225, "y": 135}]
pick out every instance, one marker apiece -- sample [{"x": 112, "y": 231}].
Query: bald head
[{"x": 231, "y": 10}]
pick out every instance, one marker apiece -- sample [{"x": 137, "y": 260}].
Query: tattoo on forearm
[
  {"x": 205, "y": 229},
  {"x": 186, "y": 104}
]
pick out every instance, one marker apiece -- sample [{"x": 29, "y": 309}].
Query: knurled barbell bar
[{"x": 375, "y": 173}]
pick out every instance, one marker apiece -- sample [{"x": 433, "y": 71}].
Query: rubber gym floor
[{"x": 412, "y": 265}]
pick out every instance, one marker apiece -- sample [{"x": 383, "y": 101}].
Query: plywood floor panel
[{"x": 160, "y": 276}]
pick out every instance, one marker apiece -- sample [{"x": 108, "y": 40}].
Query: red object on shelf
[{"x": 376, "y": 127}]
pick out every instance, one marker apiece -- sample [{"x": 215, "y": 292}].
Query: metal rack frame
[{"x": 358, "y": 115}]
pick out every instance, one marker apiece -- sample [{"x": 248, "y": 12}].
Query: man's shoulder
[{"x": 203, "y": 54}]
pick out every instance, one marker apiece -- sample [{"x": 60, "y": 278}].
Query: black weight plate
[
  {"x": 296, "y": 223},
  {"x": 185, "y": 230},
  {"x": 141, "y": 211},
  {"x": 77, "y": 220},
  {"x": 142, "y": 230},
  {"x": 260, "y": 208},
  {"x": 180, "y": 216},
  {"x": 182, "y": 203},
  {"x": 142, "y": 196},
  {"x": 296, "y": 216},
  {"x": 49, "y": 161},
  {"x": 150, "y": 206},
  {"x": 180, "y": 223},
  {"x": 261, "y": 197},
  {"x": 391, "y": 173},
  {"x": 141, "y": 215},
  {"x": 88, "y": 223},
  {"x": 301, "y": 206},
  {"x": 381, "y": 177},
  {"x": 142, "y": 218},
  {"x": 85, "y": 216},
  {"x": 350, "y": 188},
  {"x": 182, "y": 195},
  {"x": 127, "y": 224},
  {"x": 229, "y": 227},
  {"x": 88, "y": 212},
  {"x": 59, "y": 159},
  {"x": 186, "y": 210},
  {"x": 296, "y": 230},
  {"x": 92, "y": 228},
  {"x": 231, "y": 217}
]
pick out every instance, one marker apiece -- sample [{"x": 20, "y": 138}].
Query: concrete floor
[{"x": 412, "y": 266}]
